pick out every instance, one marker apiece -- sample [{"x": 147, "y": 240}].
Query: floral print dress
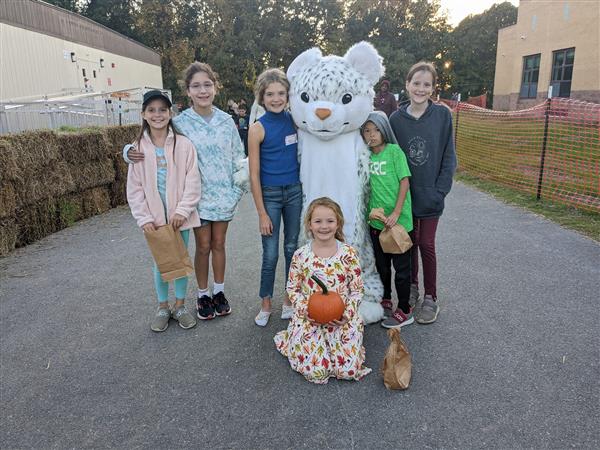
[{"x": 321, "y": 352}]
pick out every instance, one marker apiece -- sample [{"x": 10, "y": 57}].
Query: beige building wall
[
  {"x": 544, "y": 26},
  {"x": 36, "y": 65}
]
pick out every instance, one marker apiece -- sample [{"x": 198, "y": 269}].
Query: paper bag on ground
[
  {"x": 169, "y": 252},
  {"x": 393, "y": 240},
  {"x": 397, "y": 365}
]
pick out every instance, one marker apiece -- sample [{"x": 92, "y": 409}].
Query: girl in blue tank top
[{"x": 275, "y": 183}]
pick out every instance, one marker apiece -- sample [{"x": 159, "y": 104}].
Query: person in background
[
  {"x": 385, "y": 100},
  {"x": 232, "y": 109},
  {"x": 242, "y": 125}
]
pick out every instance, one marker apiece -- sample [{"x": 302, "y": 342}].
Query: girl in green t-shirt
[{"x": 389, "y": 181}]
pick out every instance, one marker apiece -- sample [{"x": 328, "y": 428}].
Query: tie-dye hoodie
[{"x": 220, "y": 152}]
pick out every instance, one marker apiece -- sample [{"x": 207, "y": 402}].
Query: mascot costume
[{"x": 330, "y": 98}]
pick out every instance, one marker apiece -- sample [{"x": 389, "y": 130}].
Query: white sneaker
[
  {"x": 287, "y": 312},
  {"x": 262, "y": 318}
]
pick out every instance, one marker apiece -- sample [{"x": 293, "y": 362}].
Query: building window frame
[
  {"x": 530, "y": 76},
  {"x": 561, "y": 74}
]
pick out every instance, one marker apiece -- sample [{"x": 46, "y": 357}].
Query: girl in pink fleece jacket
[{"x": 165, "y": 188}]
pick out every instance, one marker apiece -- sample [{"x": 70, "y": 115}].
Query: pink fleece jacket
[{"x": 183, "y": 184}]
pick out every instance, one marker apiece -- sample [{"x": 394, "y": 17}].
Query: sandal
[{"x": 262, "y": 318}]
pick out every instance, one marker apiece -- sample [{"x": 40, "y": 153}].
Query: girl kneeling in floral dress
[{"x": 334, "y": 349}]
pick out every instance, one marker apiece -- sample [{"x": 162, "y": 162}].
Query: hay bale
[
  {"x": 80, "y": 148},
  {"x": 95, "y": 201},
  {"x": 24, "y": 154},
  {"x": 9, "y": 231},
  {"x": 8, "y": 199},
  {"x": 8, "y": 160},
  {"x": 117, "y": 137},
  {"x": 91, "y": 174},
  {"x": 52, "y": 181},
  {"x": 37, "y": 221},
  {"x": 119, "y": 186}
]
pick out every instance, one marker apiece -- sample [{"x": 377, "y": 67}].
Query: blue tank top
[{"x": 279, "y": 150}]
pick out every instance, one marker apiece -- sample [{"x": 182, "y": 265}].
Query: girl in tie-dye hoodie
[{"x": 220, "y": 155}]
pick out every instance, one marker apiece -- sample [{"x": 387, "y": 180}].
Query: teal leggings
[{"x": 162, "y": 287}]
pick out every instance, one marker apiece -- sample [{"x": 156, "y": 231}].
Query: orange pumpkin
[{"x": 325, "y": 306}]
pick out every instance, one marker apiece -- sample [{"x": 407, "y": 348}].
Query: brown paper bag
[
  {"x": 393, "y": 240},
  {"x": 397, "y": 365},
  {"x": 169, "y": 252}
]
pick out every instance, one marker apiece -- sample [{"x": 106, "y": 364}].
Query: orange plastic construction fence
[{"x": 551, "y": 151}]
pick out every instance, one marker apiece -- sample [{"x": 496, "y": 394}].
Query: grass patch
[
  {"x": 81, "y": 129},
  {"x": 587, "y": 223},
  {"x": 68, "y": 212}
]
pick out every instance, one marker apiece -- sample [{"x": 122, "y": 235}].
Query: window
[
  {"x": 562, "y": 72},
  {"x": 83, "y": 72},
  {"x": 94, "y": 73},
  {"x": 531, "y": 71}
]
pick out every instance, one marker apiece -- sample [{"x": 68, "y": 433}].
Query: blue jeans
[{"x": 286, "y": 202}]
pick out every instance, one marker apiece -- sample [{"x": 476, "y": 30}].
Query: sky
[{"x": 459, "y": 9}]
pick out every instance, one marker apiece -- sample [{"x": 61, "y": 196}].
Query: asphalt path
[{"x": 512, "y": 362}]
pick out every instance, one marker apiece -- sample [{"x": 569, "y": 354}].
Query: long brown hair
[
  {"x": 327, "y": 203},
  {"x": 145, "y": 127}
]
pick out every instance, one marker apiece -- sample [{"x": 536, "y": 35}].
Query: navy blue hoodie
[{"x": 429, "y": 146}]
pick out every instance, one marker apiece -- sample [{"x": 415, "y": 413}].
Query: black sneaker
[
  {"x": 221, "y": 304},
  {"x": 206, "y": 310}
]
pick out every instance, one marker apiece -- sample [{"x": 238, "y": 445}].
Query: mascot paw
[
  {"x": 370, "y": 312},
  {"x": 241, "y": 177}
]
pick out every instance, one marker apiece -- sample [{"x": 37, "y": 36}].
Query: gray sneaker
[
  {"x": 161, "y": 320},
  {"x": 414, "y": 295},
  {"x": 185, "y": 319},
  {"x": 427, "y": 310}
]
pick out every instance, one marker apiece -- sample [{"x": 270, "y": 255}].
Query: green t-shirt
[{"x": 387, "y": 168}]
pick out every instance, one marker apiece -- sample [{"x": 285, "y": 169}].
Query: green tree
[
  {"x": 117, "y": 15},
  {"x": 70, "y": 5},
  {"x": 403, "y": 31},
  {"x": 166, "y": 27},
  {"x": 472, "y": 53}
]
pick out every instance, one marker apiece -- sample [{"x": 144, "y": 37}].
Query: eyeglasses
[{"x": 199, "y": 86}]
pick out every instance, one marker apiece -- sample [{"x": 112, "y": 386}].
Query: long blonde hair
[{"x": 327, "y": 203}]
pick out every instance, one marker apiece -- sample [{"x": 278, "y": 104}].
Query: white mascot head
[{"x": 331, "y": 95}]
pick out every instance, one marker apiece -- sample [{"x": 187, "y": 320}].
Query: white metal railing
[{"x": 94, "y": 109}]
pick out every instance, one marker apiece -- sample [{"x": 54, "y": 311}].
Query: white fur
[
  {"x": 241, "y": 176},
  {"x": 334, "y": 158}
]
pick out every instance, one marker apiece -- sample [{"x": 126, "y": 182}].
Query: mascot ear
[
  {"x": 365, "y": 59},
  {"x": 307, "y": 58}
]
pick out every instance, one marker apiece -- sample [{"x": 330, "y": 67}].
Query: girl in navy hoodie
[{"x": 424, "y": 131}]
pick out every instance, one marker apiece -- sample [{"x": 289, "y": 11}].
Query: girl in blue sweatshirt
[{"x": 424, "y": 131}]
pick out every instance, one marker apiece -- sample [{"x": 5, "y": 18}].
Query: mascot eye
[
  {"x": 347, "y": 98},
  {"x": 304, "y": 97}
]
